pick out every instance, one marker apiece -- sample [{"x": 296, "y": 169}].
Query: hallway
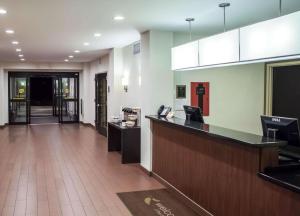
[{"x": 63, "y": 170}]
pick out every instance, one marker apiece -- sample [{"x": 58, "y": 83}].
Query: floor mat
[{"x": 155, "y": 203}]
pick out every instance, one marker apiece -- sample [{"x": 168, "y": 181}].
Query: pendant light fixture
[
  {"x": 190, "y": 20},
  {"x": 224, "y": 6}
]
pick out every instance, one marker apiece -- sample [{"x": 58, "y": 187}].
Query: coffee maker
[{"x": 132, "y": 114}]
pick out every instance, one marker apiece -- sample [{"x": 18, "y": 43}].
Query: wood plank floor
[{"x": 63, "y": 170}]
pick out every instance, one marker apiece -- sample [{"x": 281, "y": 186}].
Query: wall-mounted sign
[
  {"x": 180, "y": 91},
  {"x": 200, "y": 96}
]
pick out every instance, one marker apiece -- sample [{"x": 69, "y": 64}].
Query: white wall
[
  {"x": 88, "y": 86},
  {"x": 180, "y": 38},
  {"x": 236, "y": 95},
  {"x": 112, "y": 64},
  {"x": 41, "y": 66},
  {"x": 4, "y": 66},
  {"x": 131, "y": 69},
  {"x": 157, "y": 84}
]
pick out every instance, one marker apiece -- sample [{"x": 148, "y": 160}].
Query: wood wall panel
[{"x": 220, "y": 175}]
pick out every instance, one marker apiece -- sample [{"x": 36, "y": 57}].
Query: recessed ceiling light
[
  {"x": 97, "y": 35},
  {"x": 9, "y": 31},
  {"x": 70, "y": 56},
  {"x": 2, "y": 11},
  {"x": 118, "y": 18},
  {"x": 86, "y": 43},
  {"x": 76, "y": 51},
  {"x": 22, "y": 59},
  {"x": 21, "y": 55},
  {"x": 66, "y": 60},
  {"x": 18, "y": 50},
  {"x": 15, "y": 42}
]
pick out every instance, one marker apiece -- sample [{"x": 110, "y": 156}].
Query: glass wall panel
[{"x": 18, "y": 106}]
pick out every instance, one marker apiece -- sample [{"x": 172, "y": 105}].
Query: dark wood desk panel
[
  {"x": 218, "y": 174},
  {"x": 126, "y": 140}
]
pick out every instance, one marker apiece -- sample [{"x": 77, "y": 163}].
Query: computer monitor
[
  {"x": 193, "y": 113},
  {"x": 284, "y": 129}
]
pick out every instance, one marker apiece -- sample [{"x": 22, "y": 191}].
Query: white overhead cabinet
[
  {"x": 219, "y": 49},
  {"x": 273, "y": 38},
  {"x": 185, "y": 56}
]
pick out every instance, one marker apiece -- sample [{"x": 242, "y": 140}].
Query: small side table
[{"x": 127, "y": 140}]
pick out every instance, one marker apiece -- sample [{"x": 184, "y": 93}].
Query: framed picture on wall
[{"x": 180, "y": 91}]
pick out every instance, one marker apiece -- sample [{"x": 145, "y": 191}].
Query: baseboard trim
[
  {"x": 186, "y": 200},
  {"x": 87, "y": 124},
  {"x": 3, "y": 126},
  {"x": 149, "y": 173}
]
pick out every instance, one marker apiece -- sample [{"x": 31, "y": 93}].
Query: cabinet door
[
  {"x": 219, "y": 49},
  {"x": 185, "y": 56},
  {"x": 273, "y": 38}
]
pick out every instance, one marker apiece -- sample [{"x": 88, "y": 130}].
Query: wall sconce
[{"x": 125, "y": 83}]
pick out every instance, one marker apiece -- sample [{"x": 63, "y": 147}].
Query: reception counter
[{"x": 217, "y": 169}]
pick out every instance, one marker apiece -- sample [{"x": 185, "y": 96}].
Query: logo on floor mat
[
  {"x": 148, "y": 200},
  {"x": 158, "y": 207}
]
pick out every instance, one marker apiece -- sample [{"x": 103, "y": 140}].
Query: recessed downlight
[
  {"x": 70, "y": 56},
  {"x": 18, "y": 50},
  {"x": 119, "y": 18},
  {"x": 9, "y": 31},
  {"x": 22, "y": 59},
  {"x": 86, "y": 43},
  {"x": 76, "y": 51},
  {"x": 21, "y": 55},
  {"x": 97, "y": 35},
  {"x": 3, "y": 11},
  {"x": 66, "y": 60},
  {"x": 15, "y": 42}
]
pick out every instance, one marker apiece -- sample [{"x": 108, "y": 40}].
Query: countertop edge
[
  {"x": 278, "y": 182},
  {"x": 123, "y": 128},
  {"x": 254, "y": 145}
]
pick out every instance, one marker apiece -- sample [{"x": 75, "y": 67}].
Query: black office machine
[
  {"x": 284, "y": 129},
  {"x": 132, "y": 115},
  {"x": 193, "y": 114}
]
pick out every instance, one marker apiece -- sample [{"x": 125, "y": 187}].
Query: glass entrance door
[
  {"x": 65, "y": 96},
  {"x": 18, "y": 99},
  {"x": 56, "y": 97},
  {"x": 68, "y": 90}
]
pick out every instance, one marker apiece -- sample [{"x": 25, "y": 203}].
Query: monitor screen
[
  {"x": 283, "y": 128},
  {"x": 193, "y": 113}
]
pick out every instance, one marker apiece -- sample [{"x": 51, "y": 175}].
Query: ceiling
[{"x": 50, "y": 30}]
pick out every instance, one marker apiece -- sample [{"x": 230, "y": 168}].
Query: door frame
[
  {"x": 104, "y": 133},
  {"x": 77, "y": 99},
  {"x": 27, "y": 99},
  {"x": 31, "y": 73},
  {"x": 269, "y": 68}
]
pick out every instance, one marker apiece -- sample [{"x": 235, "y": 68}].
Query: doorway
[
  {"x": 281, "y": 88},
  {"x": 41, "y": 100},
  {"x": 101, "y": 103},
  {"x": 37, "y": 98},
  {"x": 286, "y": 91}
]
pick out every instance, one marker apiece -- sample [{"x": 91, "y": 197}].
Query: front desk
[{"x": 218, "y": 169}]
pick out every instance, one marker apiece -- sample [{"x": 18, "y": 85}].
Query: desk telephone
[{"x": 163, "y": 111}]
